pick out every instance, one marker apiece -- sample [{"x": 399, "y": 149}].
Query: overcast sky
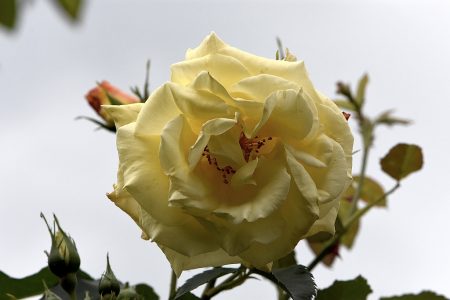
[{"x": 51, "y": 163}]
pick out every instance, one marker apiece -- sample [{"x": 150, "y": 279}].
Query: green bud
[
  {"x": 108, "y": 285},
  {"x": 63, "y": 257},
  {"x": 129, "y": 293}
]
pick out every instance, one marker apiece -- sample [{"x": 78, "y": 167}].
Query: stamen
[{"x": 250, "y": 145}]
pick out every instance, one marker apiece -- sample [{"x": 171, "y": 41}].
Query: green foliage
[
  {"x": 371, "y": 190},
  {"x": 8, "y": 13},
  {"x": 146, "y": 291},
  {"x": 31, "y": 285},
  {"x": 361, "y": 90},
  {"x": 348, "y": 237},
  {"x": 70, "y": 7},
  {"x": 386, "y": 118},
  {"x": 145, "y": 93},
  {"x": 402, "y": 160},
  {"x": 426, "y": 295},
  {"x": 356, "y": 289},
  {"x": 202, "y": 278},
  {"x": 297, "y": 281}
]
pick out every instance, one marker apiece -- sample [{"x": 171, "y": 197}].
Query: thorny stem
[
  {"x": 356, "y": 216},
  {"x": 173, "y": 285}
]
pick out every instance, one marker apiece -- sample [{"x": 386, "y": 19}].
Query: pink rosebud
[{"x": 107, "y": 94}]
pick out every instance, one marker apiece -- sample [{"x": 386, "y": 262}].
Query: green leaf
[
  {"x": 202, "y": 278},
  {"x": 297, "y": 281},
  {"x": 82, "y": 287},
  {"x": 356, "y": 289},
  {"x": 348, "y": 238},
  {"x": 344, "y": 104},
  {"x": 8, "y": 13},
  {"x": 146, "y": 291},
  {"x": 361, "y": 90},
  {"x": 386, "y": 118},
  {"x": 426, "y": 295},
  {"x": 371, "y": 191},
  {"x": 402, "y": 160},
  {"x": 71, "y": 7},
  {"x": 189, "y": 296},
  {"x": 31, "y": 285}
]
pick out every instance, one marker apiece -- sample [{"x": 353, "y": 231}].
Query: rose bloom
[
  {"x": 98, "y": 96},
  {"x": 235, "y": 160}
]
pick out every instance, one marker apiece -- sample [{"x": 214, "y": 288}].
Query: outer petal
[
  {"x": 180, "y": 262},
  {"x": 225, "y": 69},
  {"x": 123, "y": 114}
]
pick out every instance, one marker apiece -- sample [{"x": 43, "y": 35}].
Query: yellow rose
[
  {"x": 235, "y": 160},
  {"x": 105, "y": 93}
]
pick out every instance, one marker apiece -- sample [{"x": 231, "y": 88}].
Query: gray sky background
[{"x": 51, "y": 163}]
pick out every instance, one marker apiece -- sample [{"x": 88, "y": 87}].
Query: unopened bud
[
  {"x": 107, "y": 94},
  {"x": 128, "y": 293},
  {"x": 63, "y": 257},
  {"x": 108, "y": 285}
]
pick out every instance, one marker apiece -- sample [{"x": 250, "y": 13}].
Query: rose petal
[
  {"x": 259, "y": 87},
  {"x": 225, "y": 69},
  {"x": 180, "y": 262},
  {"x": 123, "y": 114},
  {"x": 290, "y": 115}
]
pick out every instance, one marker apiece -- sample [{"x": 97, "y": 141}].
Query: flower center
[
  {"x": 250, "y": 147},
  {"x": 226, "y": 171}
]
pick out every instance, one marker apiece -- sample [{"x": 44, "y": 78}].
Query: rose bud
[
  {"x": 109, "y": 285},
  {"x": 63, "y": 257},
  {"x": 107, "y": 94}
]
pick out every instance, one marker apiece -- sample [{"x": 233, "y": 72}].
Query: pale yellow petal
[
  {"x": 180, "y": 262},
  {"x": 225, "y": 69},
  {"x": 290, "y": 115},
  {"x": 259, "y": 87},
  {"x": 211, "y": 44},
  {"x": 123, "y": 114}
]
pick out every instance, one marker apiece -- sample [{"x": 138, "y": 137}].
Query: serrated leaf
[
  {"x": 8, "y": 13},
  {"x": 361, "y": 90},
  {"x": 146, "y": 291},
  {"x": 356, "y": 289},
  {"x": 386, "y": 118},
  {"x": 402, "y": 160},
  {"x": 297, "y": 281},
  {"x": 202, "y": 278},
  {"x": 371, "y": 191},
  {"x": 425, "y": 295},
  {"x": 71, "y": 7},
  {"x": 344, "y": 104}
]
